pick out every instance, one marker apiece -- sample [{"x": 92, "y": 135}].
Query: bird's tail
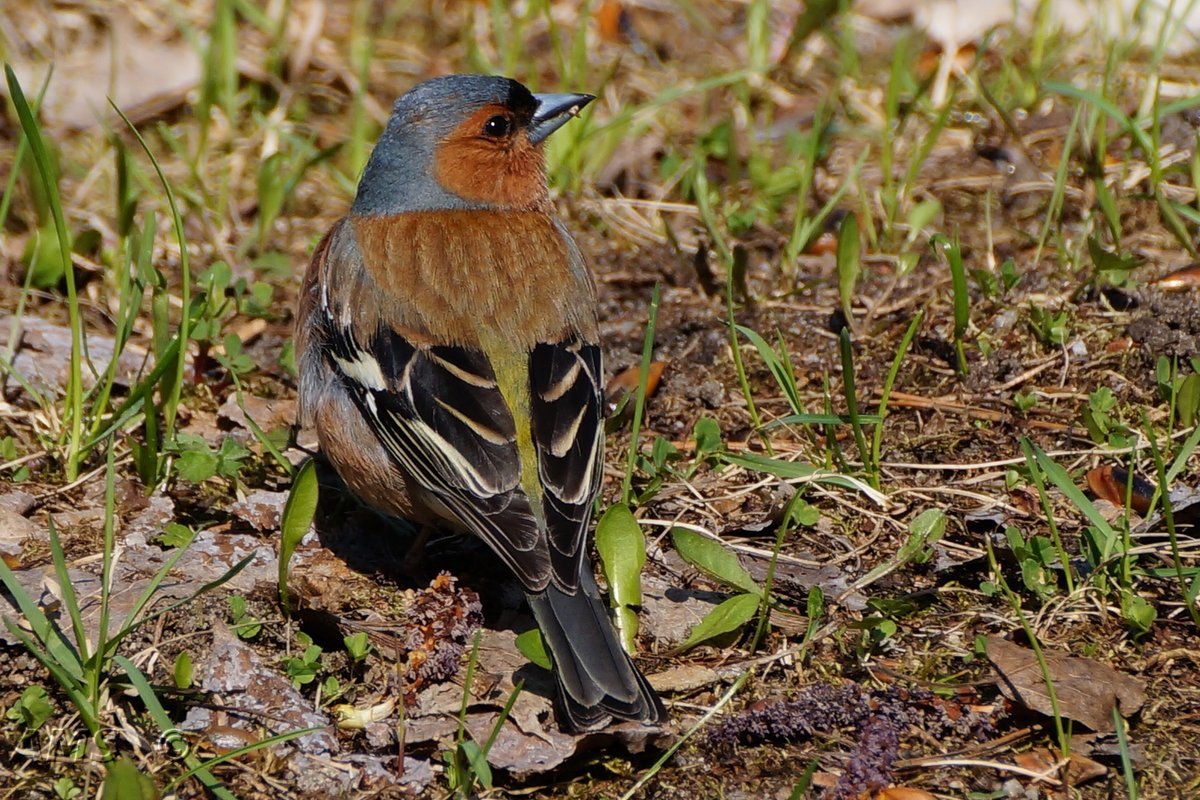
[{"x": 597, "y": 680}]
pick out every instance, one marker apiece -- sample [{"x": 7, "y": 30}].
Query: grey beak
[{"x": 553, "y": 111}]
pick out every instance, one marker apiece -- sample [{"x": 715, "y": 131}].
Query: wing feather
[
  {"x": 441, "y": 414},
  {"x": 568, "y": 431}
]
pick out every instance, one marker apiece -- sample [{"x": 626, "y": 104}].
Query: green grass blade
[{"x": 37, "y": 148}]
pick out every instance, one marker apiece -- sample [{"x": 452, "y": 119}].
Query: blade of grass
[
  {"x": 889, "y": 382},
  {"x": 847, "y": 353},
  {"x": 37, "y": 148},
  {"x": 639, "y": 406},
  {"x": 170, "y": 404}
]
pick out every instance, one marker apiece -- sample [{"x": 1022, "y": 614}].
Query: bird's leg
[{"x": 416, "y": 551}]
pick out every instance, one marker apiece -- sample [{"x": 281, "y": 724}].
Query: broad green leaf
[
  {"x": 477, "y": 759},
  {"x": 195, "y": 466},
  {"x": 714, "y": 559},
  {"x": 1108, "y": 261},
  {"x": 728, "y": 616},
  {"x": 1138, "y": 613},
  {"x": 1188, "y": 400},
  {"x": 928, "y": 527},
  {"x": 622, "y": 549},
  {"x": 183, "y": 670},
  {"x": 32, "y": 709},
  {"x": 707, "y": 434},
  {"x": 123, "y": 781},
  {"x": 532, "y": 647},
  {"x": 297, "y": 518}
]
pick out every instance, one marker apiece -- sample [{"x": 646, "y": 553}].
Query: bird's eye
[{"x": 497, "y": 127}]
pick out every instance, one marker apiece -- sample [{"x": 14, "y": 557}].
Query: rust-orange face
[
  {"x": 462, "y": 142},
  {"x": 489, "y": 159}
]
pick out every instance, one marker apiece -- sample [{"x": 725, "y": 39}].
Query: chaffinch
[{"x": 448, "y": 351}]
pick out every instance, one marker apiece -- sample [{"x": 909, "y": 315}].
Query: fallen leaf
[
  {"x": 1180, "y": 279},
  {"x": 267, "y": 413},
  {"x": 903, "y": 793},
  {"x": 1040, "y": 760},
  {"x": 1079, "y": 768},
  {"x": 44, "y": 351},
  {"x": 626, "y": 381},
  {"x": 15, "y": 530},
  {"x": 825, "y": 244},
  {"x": 1109, "y": 483},
  {"x": 262, "y": 509},
  {"x": 1108, "y": 746},
  {"x": 1086, "y": 690},
  {"x": 100, "y": 56},
  {"x": 612, "y": 21}
]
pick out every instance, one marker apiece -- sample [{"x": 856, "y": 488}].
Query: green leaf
[
  {"x": 622, "y": 549},
  {"x": 715, "y": 559},
  {"x": 1138, "y": 613},
  {"x": 123, "y": 781},
  {"x": 43, "y": 259},
  {"x": 707, "y": 434},
  {"x": 357, "y": 645},
  {"x": 532, "y": 647},
  {"x": 1188, "y": 400},
  {"x": 32, "y": 709},
  {"x": 848, "y": 264},
  {"x": 728, "y": 616},
  {"x": 298, "y": 514},
  {"x": 1107, "y": 261},
  {"x": 477, "y": 759},
  {"x": 928, "y": 526},
  {"x": 183, "y": 670},
  {"x": 175, "y": 534},
  {"x": 196, "y": 466}
]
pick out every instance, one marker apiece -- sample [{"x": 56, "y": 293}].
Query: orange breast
[{"x": 454, "y": 276}]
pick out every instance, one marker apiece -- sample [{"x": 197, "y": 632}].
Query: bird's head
[{"x": 464, "y": 142}]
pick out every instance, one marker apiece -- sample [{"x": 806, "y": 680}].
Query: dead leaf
[
  {"x": 903, "y": 793},
  {"x": 1043, "y": 760},
  {"x": 1108, "y": 746},
  {"x": 262, "y": 509},
  {"x": 18, "y": 502},
  {"x": 626, "y": 381},
  {"x": 267, "y": 413},
  {"x": 99, "y": 56},
  {"x": 1040, "y": 760},
  {"x": 825, "y": 244},
  {"x": 15, "y": 530},
  {"x": 684, "y": 678},
  {"x": 1109, "y": 483},
  {"x": 1180, "y": 279},
  {"x": 1086, "y": 690},
  {"x": 44, "y": 351}
]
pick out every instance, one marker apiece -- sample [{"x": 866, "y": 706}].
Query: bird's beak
[{"x": 553, "y": 111}]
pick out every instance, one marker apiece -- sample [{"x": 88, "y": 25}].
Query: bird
[{"x": 447, "y": 346}]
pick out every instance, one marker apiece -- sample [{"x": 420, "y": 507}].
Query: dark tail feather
[{"x": 597, "y": 680}]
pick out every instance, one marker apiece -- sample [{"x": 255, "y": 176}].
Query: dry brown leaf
[
  {"x": 111, "y": 56},
  {"x": 261, "y": 509},
  {"x": 626, "y": 381},
  {"x": 1086, "y": 690},
  {"x": 43, "y": 354},
  {"x": 1180, "y": 279},
  {"x": 1080, "y": 768},
  {"x": 1040, "y": 760},
  {"x": 1108, "y": 483},
  {"x": 903, "y": 793},
  {"x": 15, "y": 531}
]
